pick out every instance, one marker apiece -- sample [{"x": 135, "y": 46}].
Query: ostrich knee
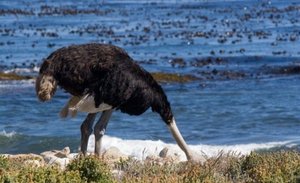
[
  {"x": 99, "y": 130},
  {"x": 98, "y": 140},
  {"x": 86, "y": 130}
]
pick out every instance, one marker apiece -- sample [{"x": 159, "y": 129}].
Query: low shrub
[
  {"x": 281, "y": 166},
  {"x": 91, "y": 169}
]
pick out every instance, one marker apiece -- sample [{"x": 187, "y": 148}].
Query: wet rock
[
  {"x": 222, "y": 40},
  {"x": 47, "y": 10},
  {"x": 178, "y": 62},
  {"x": 200, "y": 34},
  {"x": 163, "y": 153},
  {"x": 171, "y": 77},
  {"x": 50, "y": 45},
  {"x": 222, "y": 74},
  {"x": 200, "y": 62},
  {"x": 15, "y": 12},
  {"x": 286, "y": 70},
  {"x": 13, "y": 76},
  {"x": 232, "y": 74},
  {"x": 149, "y": 61},
  {"x": 279, "y": 52}
]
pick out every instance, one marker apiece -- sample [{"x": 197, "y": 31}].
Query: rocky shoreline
[
  {"x": 113, "y": 166},
  {"x": 159, "y": 76},
  {"x": 214, "y": 74},
  {"x": 112, "y": 155},
  {"x": 13, "y": 76}
]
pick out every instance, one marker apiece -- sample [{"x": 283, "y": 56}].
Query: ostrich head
[{"x": 45, "y": 87}]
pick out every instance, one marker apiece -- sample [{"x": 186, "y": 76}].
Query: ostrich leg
[
  {"x": 179, "y": 139},
  {"x": 86, "y": 130},
  {"x": 100, "y": 128}
]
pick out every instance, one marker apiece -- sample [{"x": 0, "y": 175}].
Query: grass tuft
[
  {"x": 280, "y": 166},
  {"x": 91, "y": 169}
]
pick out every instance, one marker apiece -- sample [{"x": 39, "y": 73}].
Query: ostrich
[{"x": 103, "y": 78}]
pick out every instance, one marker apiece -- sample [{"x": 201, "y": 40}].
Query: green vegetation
[
  {"x": 13, "y": 76},
  {"x": 283, "y": 166},
  {"x": 172, "y": 77},
  {"x": 160, "y": 77},
  {"x": 91, "y": 169},
  {"x": 87, "y": 169}
]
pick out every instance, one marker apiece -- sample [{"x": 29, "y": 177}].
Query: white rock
[
  {"x": 58, "y": 157},
  {"x": 64, "y": 153},
  {"x": 53, "y": 160},
  {"x": 118, "y": 174},
  {"x": 164, "y": 152},
  {"x": 114, "y": 154},
  {"x": 35, "y": 163}
]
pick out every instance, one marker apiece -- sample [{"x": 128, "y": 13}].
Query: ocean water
[{"x": 245, "y": 54}]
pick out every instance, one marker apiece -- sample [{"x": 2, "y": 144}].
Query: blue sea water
[{"x": 245, "y": 98}]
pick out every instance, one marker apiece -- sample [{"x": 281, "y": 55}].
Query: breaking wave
[
  {"x": 140, "y": 149},
  {"x": 7, "y": 134}
]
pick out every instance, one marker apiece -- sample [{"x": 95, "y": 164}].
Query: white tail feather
[{"x": 82, "y": 104}]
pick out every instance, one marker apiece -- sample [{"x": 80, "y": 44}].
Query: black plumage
[
  {"x": 111, "y": 77},
  {"x": 108, "y": 73}
]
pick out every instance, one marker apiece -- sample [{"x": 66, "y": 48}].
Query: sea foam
[
  {"x": 140, "y": 149},
  {"x": 35, "y": 69},
  {"x": 7, "y": 134}
]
